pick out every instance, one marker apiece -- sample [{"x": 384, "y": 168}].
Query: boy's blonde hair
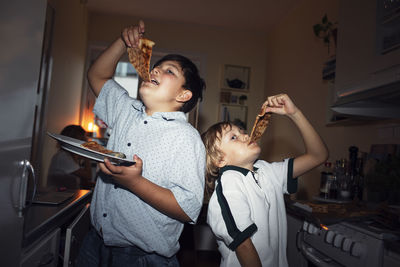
[{"x": 211, "y": 138}]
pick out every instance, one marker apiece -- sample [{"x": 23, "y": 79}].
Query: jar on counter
[
  {"x": 333, "y": 188},
  {"x": 326, "y": 177}
]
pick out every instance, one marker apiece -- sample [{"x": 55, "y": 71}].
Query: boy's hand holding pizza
[
  {"x": 280, "y": 104},
  {"x": 131, "y": 34}
]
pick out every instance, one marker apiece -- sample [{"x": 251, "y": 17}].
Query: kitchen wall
[
  {"x": 295, "y": 59},
  {"x": 69, "y": 57},
  {"x": 215, "y": 47}
]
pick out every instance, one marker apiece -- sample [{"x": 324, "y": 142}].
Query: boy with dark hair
[
  {"x": 246, "y": 212},
  {"x": 138, "y": 211}
]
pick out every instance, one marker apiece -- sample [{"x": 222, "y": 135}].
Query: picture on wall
[
  {"x": 234, "y": 113},
  {"x": 236, "y": 78}
]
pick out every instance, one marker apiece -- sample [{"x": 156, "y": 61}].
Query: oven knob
[
  {"x": 305, "y": 226},
  {"x": 329, "y": 237},
  {"x": 357, "y": 249},
  {"x": 337, "y": 242},
  {"x": 347, "y": 244},
  {"x": 312, "y": 229}
]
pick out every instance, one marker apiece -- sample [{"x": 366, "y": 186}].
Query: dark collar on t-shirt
[{"x": 243, "y": 171}]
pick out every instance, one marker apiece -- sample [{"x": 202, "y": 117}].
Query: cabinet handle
[{"x": 27, "y": 168}]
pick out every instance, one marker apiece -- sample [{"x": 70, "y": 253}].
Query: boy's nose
[{"x": 155, "y": 70}]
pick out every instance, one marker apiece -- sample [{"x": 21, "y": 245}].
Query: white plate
[{"x": 74, "y": 145}]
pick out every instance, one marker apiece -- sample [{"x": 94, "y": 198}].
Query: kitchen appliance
[
  {"x": 350, "y": 243},
  {"x": 25, "y": 69},
  {"x": 367, "y": 77}
]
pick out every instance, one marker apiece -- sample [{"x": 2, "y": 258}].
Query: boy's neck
[{"x": 150, "y": 112}]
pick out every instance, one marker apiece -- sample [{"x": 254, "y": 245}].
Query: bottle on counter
[
  {"x": 358, "y": 186},
  {"x": 326, "y": 178},
  {"x": 353, "y": 155},
  {"x": 333, "y": 188},
  {"x": 342, "y": 173},
  {"x": 338, "y": 174}
]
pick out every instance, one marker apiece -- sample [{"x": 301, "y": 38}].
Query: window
[{"x": 127, "y": 77}]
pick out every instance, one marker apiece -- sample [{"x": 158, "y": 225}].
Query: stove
[{"x": 351, "y": 243}]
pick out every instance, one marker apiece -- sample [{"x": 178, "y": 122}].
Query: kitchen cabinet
[
  {"x": 44, "y": 253},
  {"x": 70, "y": 219},
  {"x": 362, "y": 63},
  {"x": 391, "y": 254},
  {"x": 294, "y": 256}
]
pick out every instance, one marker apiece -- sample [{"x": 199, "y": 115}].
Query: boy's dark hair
[{"x": 193, "y": 81}]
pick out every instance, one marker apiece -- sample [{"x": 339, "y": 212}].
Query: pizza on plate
[
  {"x": 93, "y": 145},
  {"x": 140, "y": 57},
  {"x": 260, "y": 125}
]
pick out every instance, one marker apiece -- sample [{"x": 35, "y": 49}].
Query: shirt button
[
  {"x": 145, "y": 122},
  {"x": 129, "y": 144},
  {"x": 104, "y": 214}
]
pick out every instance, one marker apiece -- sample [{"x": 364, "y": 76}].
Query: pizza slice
[
  {"x": 93, "y": 145},
  {"x": 140, "y": 57},
  {"x": 260, "y": 125}
]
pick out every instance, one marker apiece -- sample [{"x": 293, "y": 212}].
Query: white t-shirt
[{"x": 251, "y": 204}]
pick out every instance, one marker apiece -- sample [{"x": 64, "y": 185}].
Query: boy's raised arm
[
  {"x": 104, "y": 67},
  {"x": 316, "y": 151}
]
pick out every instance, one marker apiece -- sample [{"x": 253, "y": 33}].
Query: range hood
[{"x": 378, "y": 102}]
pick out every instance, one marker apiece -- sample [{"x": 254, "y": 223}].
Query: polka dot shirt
[{"x": 173, "y": 157}]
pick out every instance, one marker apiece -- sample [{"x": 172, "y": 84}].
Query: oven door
[{"x": 313, "y": 256}]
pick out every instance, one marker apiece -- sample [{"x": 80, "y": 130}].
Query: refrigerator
[{"x": 25, "y": 64}]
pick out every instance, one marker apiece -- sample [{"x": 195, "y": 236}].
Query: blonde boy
[{"x": 246, "y": 211}]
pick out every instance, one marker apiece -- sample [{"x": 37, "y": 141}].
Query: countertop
[
  {"x": 42, "y": 218},
  {"x": 329, "y": 213}
]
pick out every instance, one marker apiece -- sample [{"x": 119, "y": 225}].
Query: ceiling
[{"x": 245, "y": 15}]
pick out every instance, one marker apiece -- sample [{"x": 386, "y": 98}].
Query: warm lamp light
[{"x": 90, "y": 127}]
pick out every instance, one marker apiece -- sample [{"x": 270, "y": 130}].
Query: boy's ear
[
  {"x": 220, "y": 163},
  {"x": 184, "y": 96}
]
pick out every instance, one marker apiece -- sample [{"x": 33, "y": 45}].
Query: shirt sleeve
[
  {"x": 281, "y": 173},
  {"x": 229, "y": 211},
  {"x": 187, "y": 181},
  {"x": 110, "y": 102}
]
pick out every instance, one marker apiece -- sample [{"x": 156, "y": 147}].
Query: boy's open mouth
[{"x": 154, "y": 81}]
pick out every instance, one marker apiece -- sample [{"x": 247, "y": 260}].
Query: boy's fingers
[
  {"x": 141, "y": 27},
  {"x": 104, "y": 169},
  {"x": 139, "y": 162},
  {"x": 111, "y": 167}
]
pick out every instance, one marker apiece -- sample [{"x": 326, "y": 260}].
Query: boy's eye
[
  {"x": 170, "y": 71},
  {"x": 234, "y": 137}
]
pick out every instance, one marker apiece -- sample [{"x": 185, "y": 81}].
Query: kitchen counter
[
  {"x": 43, "y": 218},
  {"x": 328, "y": 213}
]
